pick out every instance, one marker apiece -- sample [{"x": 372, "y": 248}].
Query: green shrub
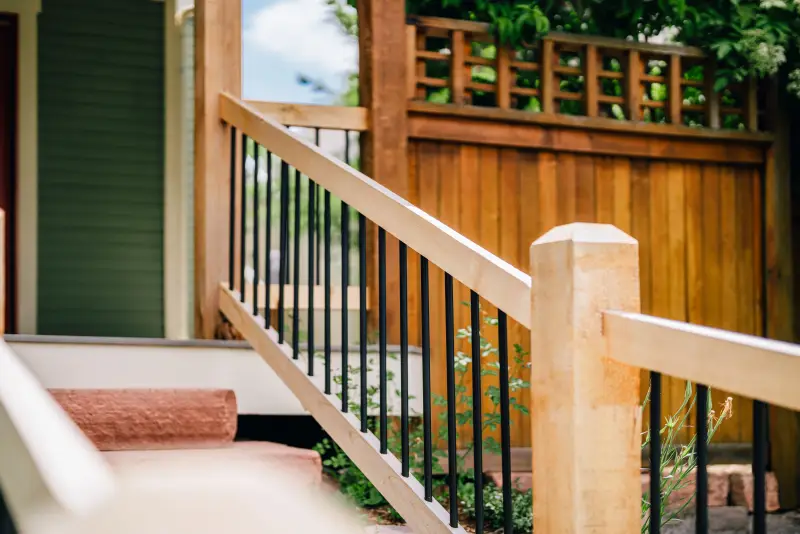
[{"x": 678, "y": 460}]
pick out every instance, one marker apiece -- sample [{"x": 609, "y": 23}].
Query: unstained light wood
[
  {"x": 585, "y": 407},
  {"x": 218, "y": 59},
  {"x": 315, "y": 116},
  {"x": 750, "y": 366},
  {"x": 494, "y": 279}
]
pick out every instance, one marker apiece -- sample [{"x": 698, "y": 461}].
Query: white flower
[
  {"x": 778, "y": 4},
  {"x": 765, "y": 58},
  {"x": 794, "y": 82}
]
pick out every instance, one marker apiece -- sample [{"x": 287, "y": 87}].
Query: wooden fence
[{"x": 502, "y": 175}]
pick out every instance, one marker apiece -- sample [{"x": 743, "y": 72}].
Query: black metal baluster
[
  {"x": 282, "y": 268},
  {"x": 362, "y": 314},
  {"x": 655, "y": 453},
  {"x": 327, "y": 318},
  {"x": 268, "y": 247},
  {"x": 256, "y": 201},
  {"x": 452, "y": 454},
  {"x": 477, "y": 410},
  {"x": 427, "y": 439},
  {"x": 319, "y": 219},
  {"x": 383, "y": 372},
  {"x": 243, "y": 220},
  {"x": 296, "y": 266},
  {"x": 7, "y": 525},
  {"x": 345, "y": 282},
  {"x": 701, "y": 446},
  {"x": 232, "y": 214},
  {"x": 759, "y": 467},
  {"x": 312, "y": 203},
  {"x": 505, "y": 420},
  {"x": 404, "y": 357},
  {"x": 347, "y": 146}
]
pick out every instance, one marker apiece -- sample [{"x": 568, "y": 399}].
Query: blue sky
[{"x": 283, "y": 38}]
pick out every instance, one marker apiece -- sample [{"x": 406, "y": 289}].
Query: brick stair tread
[{"x": 305, "y": 463}]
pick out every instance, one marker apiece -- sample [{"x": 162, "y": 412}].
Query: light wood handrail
[
  {"x": 48, "y": 468},
  {"x": 751, "y": 366},
  {"x": 354, "y": 119},
  {"x": 497, "y": 281}
]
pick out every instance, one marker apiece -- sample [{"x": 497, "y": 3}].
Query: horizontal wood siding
[
  {"x": 101, "y": 161},
  {"x": 697, "y": 225}
]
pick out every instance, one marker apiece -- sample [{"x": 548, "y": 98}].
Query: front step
[
  {"x": 146, "y": 419},
  {"x": 154, "y": 427},
  {"x": 304, "y": 464}
]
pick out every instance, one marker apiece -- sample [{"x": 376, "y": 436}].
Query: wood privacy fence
[
  {"x": 698, "y": 199},
  {"x": 503, "y": 176}
]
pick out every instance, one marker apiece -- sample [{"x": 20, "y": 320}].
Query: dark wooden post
[
  {"x": 383, "y": 91},
  {"x": 218, "y": 53},
  {"x": 784, "y": 424}
]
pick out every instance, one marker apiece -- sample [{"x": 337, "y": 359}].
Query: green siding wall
[{"x": 101, "y": 167}]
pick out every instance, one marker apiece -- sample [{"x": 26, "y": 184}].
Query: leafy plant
[
  {"x": 746, "y": 37},
  {"x": 678, "y": 460},
  {"x": 493, "y": 516}
]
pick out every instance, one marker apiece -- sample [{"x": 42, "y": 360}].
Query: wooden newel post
[
  {"x": 218, "y": 60},
  {"x": 586, "y": 419}
]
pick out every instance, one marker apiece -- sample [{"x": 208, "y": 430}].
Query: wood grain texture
[
  {"x": 441, "y": 127},
  {"x": 673, "y": 208},
  {"x": 750, "y": 366},
  {"x": 589, "y": 123},
  {"x": 315, "y": 116},
  {"x": 592, "y": 84},
  {"x": 218, "y": 49},
  {"x": 576, "y": 390}
]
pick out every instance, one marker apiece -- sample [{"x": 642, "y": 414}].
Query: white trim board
[
  {"x": 176, "y": 265},
  {"x": 27, "y": 160},
  {"x": 128, "y": 363}
]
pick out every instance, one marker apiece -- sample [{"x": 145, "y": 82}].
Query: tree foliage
[{"x": 748, "y": 37}]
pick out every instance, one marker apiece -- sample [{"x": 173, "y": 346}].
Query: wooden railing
[
  {"x": 588, "y": 339},
  {"x": 354, "y": 119},
  {"x": 475, "y": 267},
  {"x": 457, "y": 62}
]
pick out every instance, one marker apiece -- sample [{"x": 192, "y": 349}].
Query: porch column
[{"x": 218, "y": 67}]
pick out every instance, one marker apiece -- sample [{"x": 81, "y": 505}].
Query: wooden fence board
[{"x": 698, "y": 227}]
